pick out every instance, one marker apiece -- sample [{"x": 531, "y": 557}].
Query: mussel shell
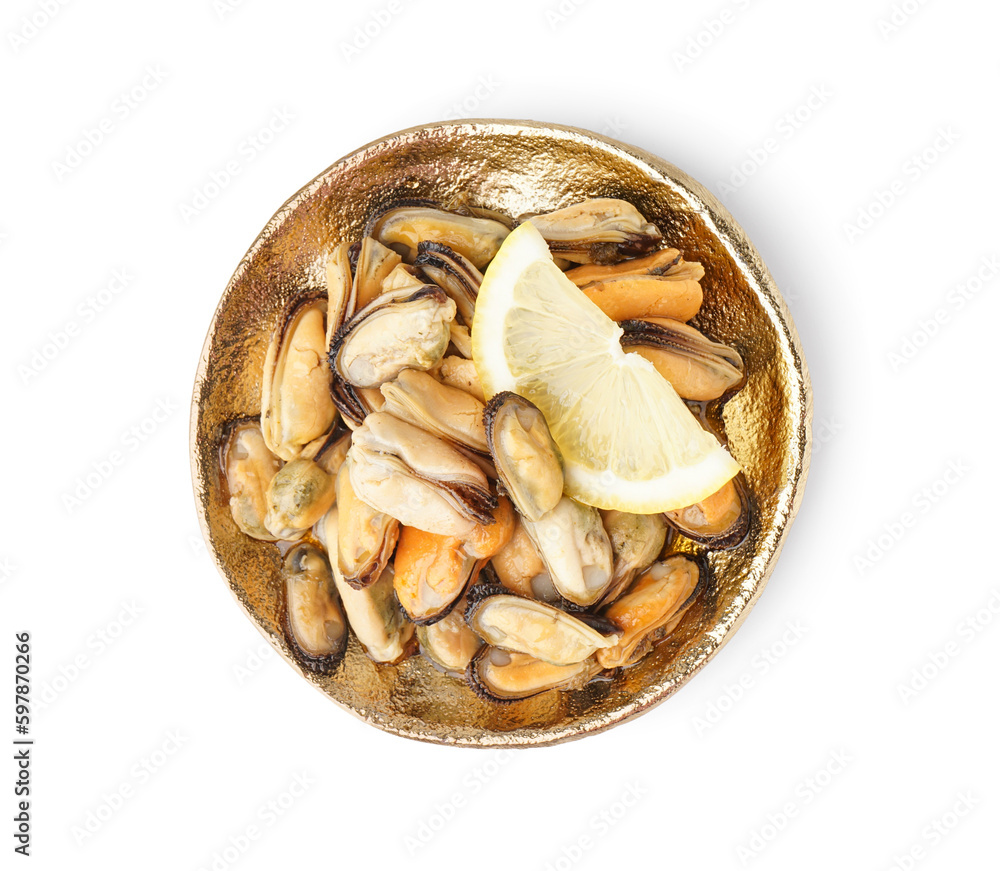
[
  {"x": 562, "y": 639},
  {"x": 402, "y": 225},
  {"x": 637, "y": 638},
  {"x": 698, "y": 368},
  {"x": 534, "y": 676},
  {"x": 454, "y": 273},
  {"x": 309, "y": 588},
  {"x": 383, "y": 352},
  {"x": 722, "y": 535}
]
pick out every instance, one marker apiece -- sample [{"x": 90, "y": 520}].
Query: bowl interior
[{"x": 517, "y": 168}]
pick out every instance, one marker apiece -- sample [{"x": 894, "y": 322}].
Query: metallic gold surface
[{"x": 516, "y": 167}]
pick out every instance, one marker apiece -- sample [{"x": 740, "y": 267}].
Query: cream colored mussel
[
  {"x": 299, "y": 495},
  {"x": 314, "y": 621},
  {"x": 526, "y": 458},
  {"x": 636, "y": 541},
  {"x": 403, "y": 329},
  {"x": 525, "y": 625},
  {"x": 696, "y": 367},
  {"x": 460, "y": 372},
  {"x": 373, "y": 613},
  {"x": 506, "y": 676},
  {"x": 602, "y": 230},
  {"x": 419, "y": 479},
  {"x": 651, "y": 609},
  {"x": 576, "y": 550},
  {"x": 444, "y": 411},
  {"x": 449, "y": 643},
  {"x": 296, "y": 405},
  {"x": 521, "y": 570},
  {"x": 366, "y": 537},
  {"x": 249, "y": 467},
  {"x": 404, "y": 225}
]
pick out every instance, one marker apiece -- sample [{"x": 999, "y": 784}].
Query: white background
[{"x": 740, "y": 768}]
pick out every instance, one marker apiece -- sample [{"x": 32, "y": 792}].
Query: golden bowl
[{"x": 515, "y": 167}]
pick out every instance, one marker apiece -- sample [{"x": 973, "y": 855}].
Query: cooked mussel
[
  {"x": 532, "y": 627},
  {"x": 375, "y": 262},
  {"x": 636, "y": 541},
  {"x": 298, "y": 495},
  {"x": 695, "y": 366},
  {"x": 342, "y": 299},
  {"x": 575, "y": 549},
  {"x": 505, "y": 676},
  {"x": 431, "y": 573},
  {"x": 249, "y": 466},
  {"x": 720, "y": 521},
  {"x": 521, "y": 570},
  {"x": 449, "y": 642},
  {"x": 526, "y": 458},
  {"x": 602, "y": 230},
  {"x": 448, "y": 412},
  {"x": 662, "y": 285},
  {"x": 404, "y": 225},
  {"x": 454, "y": 273},
  {"x": 651, "y": 609},
  {"x": 314, "y": 620},
  {"x": 366, "y": 537},
  {"x": 461, "y": 373},
  {"x": 373, "y": 613},
  {"x": 397, "y": 330},
  {"x": 296, "y": 406},
  {"x": 419, "y": 479}
]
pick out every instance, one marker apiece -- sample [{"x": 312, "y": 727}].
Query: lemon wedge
[{"x": 627, "y": 439}]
